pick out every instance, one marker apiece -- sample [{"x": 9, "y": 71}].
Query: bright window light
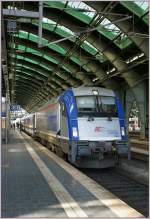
[
  {"x": 142, "y": 4},
  {"x": 48, "y": 21},
  {"x": 65, "y": 29},
  {"x": 81, "y": 5},
  {"x": 90, "y": 45},
  {"x": 110, "y": 26}
]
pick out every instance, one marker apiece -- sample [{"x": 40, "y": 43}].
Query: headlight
[
  {"x": 75, "y": 132},
  {"x": 122, "y": 131}
]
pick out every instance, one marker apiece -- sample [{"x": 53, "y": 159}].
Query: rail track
[{"x": 128, "y": 190}]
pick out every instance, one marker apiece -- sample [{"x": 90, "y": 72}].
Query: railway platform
[
  {"x": 37, "y": 183},
  {"x": 139, "y": 146}
]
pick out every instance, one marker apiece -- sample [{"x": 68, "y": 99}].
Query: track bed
[{"x": 128, "y": 190}]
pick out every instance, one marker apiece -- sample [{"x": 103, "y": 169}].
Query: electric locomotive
[{"x": 86, "y": 125}]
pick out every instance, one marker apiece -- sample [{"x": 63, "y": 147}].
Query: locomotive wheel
[
  {"x": 49, "y": 145},
  {"x": 59, "y": 152},
  {"x": 43, "y": 142}
]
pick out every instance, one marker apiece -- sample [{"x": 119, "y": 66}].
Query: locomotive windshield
[{"x": 96, "y": 106}]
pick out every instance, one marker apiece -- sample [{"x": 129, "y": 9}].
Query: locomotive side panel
[{"x": 63, "y": 121}]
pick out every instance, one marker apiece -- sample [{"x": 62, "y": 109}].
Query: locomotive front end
[{"x": 100, "y": 128}]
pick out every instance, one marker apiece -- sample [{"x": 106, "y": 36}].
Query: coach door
[
  {"x": 63, "y": 121},
  {"x": 34, "y": 124}
]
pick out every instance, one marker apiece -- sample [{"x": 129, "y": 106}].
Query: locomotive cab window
[
  {"x": 102, "y": 106},
  {"x": 107, "y": 105},
  {"x": 86, "y": 104}
]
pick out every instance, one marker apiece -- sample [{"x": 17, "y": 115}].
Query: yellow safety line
[
  {"x": 70, "y": 206},
  {"x": 120, "y": 208}
]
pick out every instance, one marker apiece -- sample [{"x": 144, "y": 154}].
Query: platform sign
[
  {"x": 3, "y": 114},
  {"x": 15, "y": 108}
]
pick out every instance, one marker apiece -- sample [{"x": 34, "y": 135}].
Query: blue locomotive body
[{"x": 85, "y": 124}]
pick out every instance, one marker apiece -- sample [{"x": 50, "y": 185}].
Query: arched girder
[
  {"x": 80, "y": 52},
  {"x": 27, "y": 81},
  {"x": 84, "y": 56},
  {"x": 52, "y": 36},
  {"x": 51, "y": 14},
  {"x": 86, "y": 19},
  {"x": 74, "y": 68},
  {"x": 78, "y": 18},
  {"x": 125, "y": 26},
  {"x": 40, "y": 70},
  {"x": 52, "y": 84},
  {"x": 131, "y": 77},
  {"x": 60, "y": 84},
  {"x": 23, "y": 101},
  {"x": 31, "y": 72},
  {"x": 63, "y": 74},
  {"x": 24, "y": 90},
  {"x": 26, "y": 94},
  {"x": 27, "y": 78},
  {"x": 24, "y": 74},
  {"x": 58, "y": 78},
  {"x": 23, "y": 84},
  {"x": 48, "y": 90}
]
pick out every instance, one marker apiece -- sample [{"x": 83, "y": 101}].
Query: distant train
[{"x": 86, "y": 125}]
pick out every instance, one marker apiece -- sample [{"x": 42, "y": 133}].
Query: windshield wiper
[
  {"x": 109, "y": 117},
  {"x": 90, "y": 119}
]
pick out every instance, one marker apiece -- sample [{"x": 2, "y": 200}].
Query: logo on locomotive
[{"x": 98, "y": 129}]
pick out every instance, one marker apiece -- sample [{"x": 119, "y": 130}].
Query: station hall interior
[{"x": 75, "y": 109}]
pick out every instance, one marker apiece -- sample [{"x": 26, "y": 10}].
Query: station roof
[{"x": 83, "y": 43}]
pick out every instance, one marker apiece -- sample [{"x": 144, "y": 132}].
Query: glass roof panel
[
  {"x": 57, "y": 48},
  {"x": 21, "y": 76},
  {"x": 48, "y": 21},
  {"x": 27, "y": 73},
  {"x": 110, "y": 26},
  {"x": 72, "y": 10},
  {"x": 32, "y": 51},
  {"x": 139, "y": 8},
  {"x": 65, "y": 68},
  {"x": 107, "y": 28},
  {"x": 65, "y": 29},
  {"x": 142, "y": 4},
  {"x": 78, "y": 61},
  {"x": 28, "y": 67},
  {"x": 93, "y": 50},
  {"x": 35, "y": 38},
  {"x": 91, "y": 46},
  {"x": 31, "y": 61},
  {"x": 111, "y": 31},
  {"x": 50, "y": 59},
  {"x": 123, "y": 41},
  {"x": 23, "y": 58},
  {"x": 65, "y": 32},
  {"x": 89, "y": 11}
]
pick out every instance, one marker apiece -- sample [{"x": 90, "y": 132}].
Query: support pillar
[
  {"x": 129, "y": 98},
  {"x": 140, "y": 95}
]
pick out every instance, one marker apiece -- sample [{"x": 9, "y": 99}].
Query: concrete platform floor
[{"x": 37, "y": 183}]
